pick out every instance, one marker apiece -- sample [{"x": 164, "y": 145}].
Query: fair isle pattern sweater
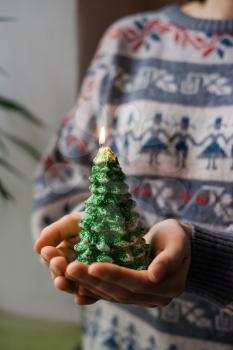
[{"x": 162, "y": 83}]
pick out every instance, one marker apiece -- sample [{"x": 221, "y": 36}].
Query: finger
[
  {"x": 68, "y": 253},
  {"x": 137, "y": 284},
  {"x": 174, "y": 285},
  {"x": 49, "y": 253},
  {"x": 58, "y": 265},
  {"x": 44, "y": 262},
  {"x": 133, "y": 280},
  {"x": 172, "y": 247},
  {"x": 69, "y": 243},
  {"x": 82, "y": 300},
  {"x": 112, "y": 285},
  {"x": 101, "y": 292},
  {"x": 113, "y": 293},
  {"x": 65, "y": 285},
  {"x": 86, "y": 291},
  {"x": 78, "y": 272},
  {"x": 106, "y": 290},
  {"x": 63, "y": 229},
  {"x": 116, "y": 294},
  {"x": 167, "y": 262},
  {"x": 169, "y": 288}
]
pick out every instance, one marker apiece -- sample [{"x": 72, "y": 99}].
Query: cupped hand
[
  {"x": 55, "y": 245},
  {"x": 164, "y": 279}
]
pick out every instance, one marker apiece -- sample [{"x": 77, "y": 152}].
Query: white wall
[{"x": 38, "y": 50}]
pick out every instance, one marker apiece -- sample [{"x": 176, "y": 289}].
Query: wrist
[
  {"x": 188, "y": 229},
  {"x": 210, "y": 273}
]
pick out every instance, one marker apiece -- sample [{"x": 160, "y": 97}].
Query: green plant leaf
[
  {"x": 6, "y": 19},
  {"x": 24, "y": 145},
  {"x": 3, "y": 146},
  {"x": 5, "y": 193},
  {"x": 11, "y": 168},
  {"x": 11, "y": 105}
]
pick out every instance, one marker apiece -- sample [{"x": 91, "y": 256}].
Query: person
[{"x": 178, "y": 63}]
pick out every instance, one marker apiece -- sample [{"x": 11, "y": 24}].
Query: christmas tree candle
[{"x": 110, "y": 229}]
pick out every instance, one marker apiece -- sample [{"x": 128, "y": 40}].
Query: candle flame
[{"x": 102, "y": 136}]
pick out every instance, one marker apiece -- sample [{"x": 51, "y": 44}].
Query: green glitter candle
[{"x": 110, "y": 229}]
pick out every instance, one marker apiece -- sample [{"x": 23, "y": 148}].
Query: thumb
[{"x": 165, "y": 263}]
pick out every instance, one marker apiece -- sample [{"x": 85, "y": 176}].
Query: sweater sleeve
[
  {"x": 211, "y": 270},
  {"x": 61, "y": 182}
]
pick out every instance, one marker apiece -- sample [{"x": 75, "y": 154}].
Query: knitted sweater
[{"x": 162, "y": 83}]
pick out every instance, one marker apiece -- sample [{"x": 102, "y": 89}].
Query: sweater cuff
[{"x": 211, "y": 269}]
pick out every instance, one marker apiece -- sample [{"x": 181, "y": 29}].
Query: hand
[
  {"x": 55, "y": 245},
  {"x": 165, "y": 278}
]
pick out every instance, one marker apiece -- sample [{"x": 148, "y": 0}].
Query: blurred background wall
[{"x": 39, "y": 54}]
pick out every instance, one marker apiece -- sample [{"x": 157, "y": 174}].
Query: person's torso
[{"x": 169, "y": 101}]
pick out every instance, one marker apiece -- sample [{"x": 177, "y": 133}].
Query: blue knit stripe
[
  {"x": 153, "y": 79},
  {"x": 178, "y": 17}
]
